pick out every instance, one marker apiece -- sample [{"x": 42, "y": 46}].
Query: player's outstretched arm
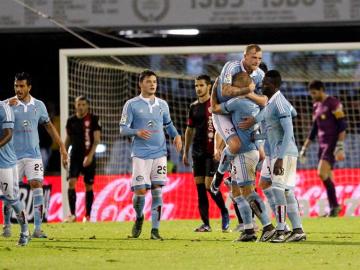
[
  {"x": 51, "y": 130},
  {"x": 233, "y": 91}
]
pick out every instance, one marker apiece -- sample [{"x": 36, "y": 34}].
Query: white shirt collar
[
  {"x": 274, "y": 96},
  {"x": 151, "y": 106},
  {"x": 31, "y": 102}
]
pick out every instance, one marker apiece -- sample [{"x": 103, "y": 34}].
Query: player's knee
[
  {"x": 35, "y": 184},
  {"x": 246, "y": 190},
  {"x": 235, "y": 191},
  {"x": 264, "y": 184},
  {"x": 88, "y": 187},
  {"x": 142, "y": 191},
  {"x": 323, "y": 175},
  {"x": 234, "y": 144},
  {"x": 72, "y": 183}
]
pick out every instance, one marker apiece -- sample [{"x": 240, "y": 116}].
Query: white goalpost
[{"x": 108, "y": 77}]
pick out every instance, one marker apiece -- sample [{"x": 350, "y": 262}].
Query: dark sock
[
  {"x": 89, "y": 198},
  {"x": 72, "y": 200},
  {"x": 218, "y": 199},
  {"x": 218, "y": 179},
  {"x": 203, "y": 203},
  {"x": 331, "y": 193},
  {"x": 237, "y": 212}
]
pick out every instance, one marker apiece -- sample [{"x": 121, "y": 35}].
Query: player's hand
[
  {"x": 217, "y": 154},
  {"x": 302, "y": 155},
  {"x": 64, "y": 158},
  {"x": 185, "y": 160},
  {"x": 252, "y": 87},
  {"x": 339, "y": 152},
  {"x": 144, "y": 134},
  {"x": 278, "y": 167},
  {"x": 87, "y": 160},
  {"x": 13, "y": 101},
  {"x": 247, "y": 122},
  {"x": 177, "y": 143}
]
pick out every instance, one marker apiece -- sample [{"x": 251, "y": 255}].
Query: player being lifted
[
  {"x": 144, "y": 119},
  {"x": 9, "y": 181},
  {"x": 283, "y": 157},
  {"x": 29, "y": 113},
  {"x": 200, "y": 134},
  {"x": 245, "y": 163},
  {"x": 329, "y": 126},
  {"x": 225, "y": 91}
]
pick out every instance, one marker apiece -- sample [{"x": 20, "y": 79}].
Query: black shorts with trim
[
  {"x": 204, "y": 166},
  {"x": 76, "y": 167}
]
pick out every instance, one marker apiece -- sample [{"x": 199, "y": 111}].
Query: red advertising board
[{"x": 113, "y": 197}]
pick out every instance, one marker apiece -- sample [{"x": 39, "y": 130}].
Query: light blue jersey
[
  {"x": 240, "y": 108},
  {"x": 26, "y": 136},
  {"x": 7, "y": 153},
  {"x": 279, "y": 127},
  {"x": 229, "y": 70},
  {"x": 139, "y": 113}
]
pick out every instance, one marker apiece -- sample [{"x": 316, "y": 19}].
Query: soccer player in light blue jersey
[
  {"x": 9, "y": 182},
  {"x": 283, "y": 157},
  {"x": 29, "y": 113},
  {"x": 226, "y": 90},
  {"x": 244, "y": 165},
  {"x": 144, "y": 119}
]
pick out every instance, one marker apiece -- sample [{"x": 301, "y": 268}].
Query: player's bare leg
[{"x": 325, "y": 173}]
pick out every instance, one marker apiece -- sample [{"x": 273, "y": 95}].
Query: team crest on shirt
[
  {"x": 139, "y": 178},
  {"x": 323, "y": 116},
  {"x": 26, "y": 123},
  {"x": 87, "y": 123}
]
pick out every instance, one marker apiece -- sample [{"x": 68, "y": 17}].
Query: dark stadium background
[{"x": 37, "y": 53}]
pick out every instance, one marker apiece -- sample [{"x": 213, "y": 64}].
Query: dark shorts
[
  {"x": 76, "y": 168},
  {"x": 326, "y": 152},
  {"x": 204, "y": 166}
]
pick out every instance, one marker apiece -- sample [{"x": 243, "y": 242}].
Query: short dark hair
[
  {"x": 204, "y": 77},
  {"x": 317, "y": 84},
  {"x": 275, "y": 77},
  {"x": 82, "y": 98},
  {"x": 146, "y": 73},
  {"x": 263, "y": 67},
  {"x": 251, "y": 47},
  {"x": 23, "y": 76}
]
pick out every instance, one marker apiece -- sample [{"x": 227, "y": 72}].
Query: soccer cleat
[
  {"x": 334, "y": 212},
  {"x": 39, "y": 234},
  {"x": 246, "y": 237},
  {"x": 86, "y": 219},
  {"x": 296, "y": 236},
  {"x": 155, "y": 234},
  {"x": 70, "y": 219},
  {"x": 279, "y": 237},
  {"x": 137, "y": 227},
  {"x": 225, "y": 222},
  {"x": 24, "y": 239},
  {"x": 6, "y": 231},
  {"x": 267, "y": 233},
  {"x": 203, "y": 228}
]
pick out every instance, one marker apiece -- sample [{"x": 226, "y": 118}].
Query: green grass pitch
[{"x": 333, "y": 243}]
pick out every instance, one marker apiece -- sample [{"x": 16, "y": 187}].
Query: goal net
[{"x": 109, "y": 77}]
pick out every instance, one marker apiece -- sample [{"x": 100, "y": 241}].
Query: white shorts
[
  {"x": 265, "y": 173},
  {"x": 9, "y": 183},
  {"x": 223, "y": 125},
  {"x": 288, "y": 179},
  {"x": 147, "y": 172},
  {"x": 243, "y": 169},
  {"x": 32, "y": 168}
]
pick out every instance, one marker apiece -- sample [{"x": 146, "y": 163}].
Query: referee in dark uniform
[
  {"x": 83, "y": 134},
  {"x": 200, "y": 134}
]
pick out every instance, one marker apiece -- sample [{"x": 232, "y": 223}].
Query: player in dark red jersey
[
  {"x": 83, "y": 134},
  {"x": 200, "y": 134},
  {"x": 329, "y": 126}
]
